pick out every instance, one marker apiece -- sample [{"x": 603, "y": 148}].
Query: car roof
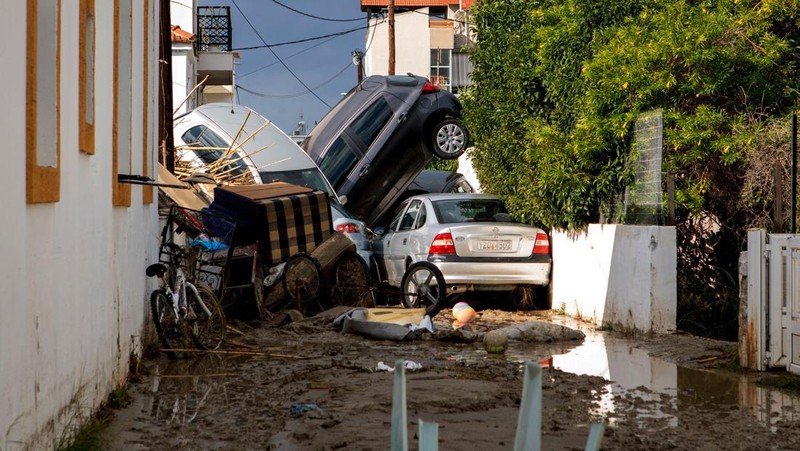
[
  {"x": 269, "y": 148},
  {"x": 433, "y": 181}
]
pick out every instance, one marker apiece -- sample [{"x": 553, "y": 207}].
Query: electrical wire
[
  {"x": 286, "y": 58},
  {"x": 297, "y": 94},
  {"x": 279, "y": 58},
  {"x": 313, "y": 16},
  {"x": 431, "y": 15},
  {"x": 299, "y": 41}
]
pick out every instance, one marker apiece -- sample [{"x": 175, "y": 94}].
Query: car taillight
[
  {"x": 542, "y": 244},
  {"x": 348, "y": 227},
  {"x": 442, "y": 244},
  {"x": 430, "y": 88}
]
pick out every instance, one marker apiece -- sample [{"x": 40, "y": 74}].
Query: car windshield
[
  {"x": 310, "y": 178},
  {"x": 470, "y": 210},
  {"x": 211, "y": 148}
]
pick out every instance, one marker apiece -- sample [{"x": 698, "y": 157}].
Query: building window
[
  {"x": 86, "y": 77},
  {"x": 121, "y": 121},
  {"x": 440, "y": 68},
  {"x": 437, "y": 13},
  {"x": 43, "y": 156}
]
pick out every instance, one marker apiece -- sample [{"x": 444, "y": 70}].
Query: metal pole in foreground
[
  {"x": 794, "y": 172},
  {"x": 391, "y": 38},
  {"x": 399, "y": 431}
]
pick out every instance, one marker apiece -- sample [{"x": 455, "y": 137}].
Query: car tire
[
  {"x": 423, "y": 286},
  {"x": 449, "y": 139}
]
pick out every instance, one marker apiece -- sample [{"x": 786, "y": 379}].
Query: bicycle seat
[{"x": 156, "y": 269}]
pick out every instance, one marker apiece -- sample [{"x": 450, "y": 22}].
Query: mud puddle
[{"x": 660, "y": 389}]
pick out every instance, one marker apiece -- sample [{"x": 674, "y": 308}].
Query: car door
[
  {"x": 392, "y": 154},
  {"x": 340, "y": 160},
  {"x": 396, "y": 243},
  {"x": 364, "y": 185}
]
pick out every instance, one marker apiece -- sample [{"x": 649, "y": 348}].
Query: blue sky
[{"x": 324, "y": 65}]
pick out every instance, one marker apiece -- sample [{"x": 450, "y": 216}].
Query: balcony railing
[{"x": 214, "y": 28}]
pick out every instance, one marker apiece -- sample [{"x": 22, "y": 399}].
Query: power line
[
  {"x": 415, "y": 10},
  {"x": 303, "y": 51},
  {"x": 276, "y": 55},
  {"x": 299, "y": 41},
  {"x": 315, "y": 17},
  {"x": 290, "y": 56},
  {"x": 297, "y": 94}
]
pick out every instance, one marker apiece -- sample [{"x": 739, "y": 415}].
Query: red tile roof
[
  {"x": 413, "y": 3},
  {"x": 181, "y": 36}
]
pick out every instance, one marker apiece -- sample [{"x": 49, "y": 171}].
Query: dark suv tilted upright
[{"x": 374, "y": 142}]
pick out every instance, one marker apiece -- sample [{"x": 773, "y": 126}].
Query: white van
[{"x": 263, "y": 154}]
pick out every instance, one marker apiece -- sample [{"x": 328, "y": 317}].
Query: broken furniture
[{"x": 290, "y": 227}]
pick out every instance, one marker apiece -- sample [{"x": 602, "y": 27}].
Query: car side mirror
[
  {"x": 343, "y": 199},
  {"x": 378, "y": 232}
]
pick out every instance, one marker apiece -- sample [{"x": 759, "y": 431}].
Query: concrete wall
[
  {"x": 182, "y": 13},
  {"x": 73, "y": 291},
  {"x": 184, "y": 62},
  {"x": 412, "y": 46},
  {"x": 621, "y": 276},
  {"x": 183, "y": 78}
]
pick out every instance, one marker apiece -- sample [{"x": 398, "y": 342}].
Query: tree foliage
[{"x": 558, "y": 86}]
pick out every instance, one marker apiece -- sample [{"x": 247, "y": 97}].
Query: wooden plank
[
  {"x": 329, "y": 251},
  {"x": 187, "y": 198},
  {"x": 401, "y": 316}
]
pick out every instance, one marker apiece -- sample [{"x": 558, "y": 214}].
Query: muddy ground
[{"x": 243, "y": 398}]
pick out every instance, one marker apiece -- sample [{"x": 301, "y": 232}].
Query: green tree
[{"x": 558, "y": 86}]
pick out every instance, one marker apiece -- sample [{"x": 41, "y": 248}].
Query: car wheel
[
  {"x": 423, "y": 287},
  {"x": 449, "y": 139}
]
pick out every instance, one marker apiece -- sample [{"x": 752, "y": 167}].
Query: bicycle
[{"x": 184, "y": 313}]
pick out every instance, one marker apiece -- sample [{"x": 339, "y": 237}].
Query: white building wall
[
  {"x": 412, "y": 46},
  {"x": 183, "y": 78},
  {"x": 184, "y": 62},
  {"x": 617, "y": 275},
  {"x": 182, "y": 14},
  {"x": 73, "y": 294}
]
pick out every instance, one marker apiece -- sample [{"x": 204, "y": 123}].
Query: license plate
[{"x": 494, "y": 245}]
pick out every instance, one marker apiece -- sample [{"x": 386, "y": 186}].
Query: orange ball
[{"x": 463, "y": 313}]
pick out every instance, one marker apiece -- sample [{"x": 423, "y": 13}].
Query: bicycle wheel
[
  {"x": 423, "y": 286},
  {"x": 302, "y": 276},
  {"x": 168, "y": 327},
  {"x": 352, "y": 284},
  {"x": 204, "y": 317}
]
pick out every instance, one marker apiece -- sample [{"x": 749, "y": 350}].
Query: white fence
[{"x": 620, "y": 276}]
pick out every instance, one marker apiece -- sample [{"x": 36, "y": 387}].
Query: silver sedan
[{"x": 464, "y": 242}]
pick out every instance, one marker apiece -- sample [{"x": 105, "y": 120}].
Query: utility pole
[
  {"x": 391, "y": 37},
  {"x": 167, "y": 154},
  {"x": 358, "y": 58}
]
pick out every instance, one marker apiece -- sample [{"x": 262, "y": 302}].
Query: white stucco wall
[
  {"x": 184, "y": 62},
  {"x": 412, "y": 46},
  {"x": 181, "y": 13},
  {"x": 73, "y": 294},
  {"x": 617, "y": 275},
  {"x": 183, "y": 78},
  {"x": 465, "y": 168}
]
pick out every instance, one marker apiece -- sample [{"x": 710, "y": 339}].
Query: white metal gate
[
  {"x": 793, "y": 317},
  {"x": 773, "y": 278}
]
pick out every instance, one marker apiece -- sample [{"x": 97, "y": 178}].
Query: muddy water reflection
[
  {"x": 181, "y": 390},
  {"x": 660, "y": 388}
]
